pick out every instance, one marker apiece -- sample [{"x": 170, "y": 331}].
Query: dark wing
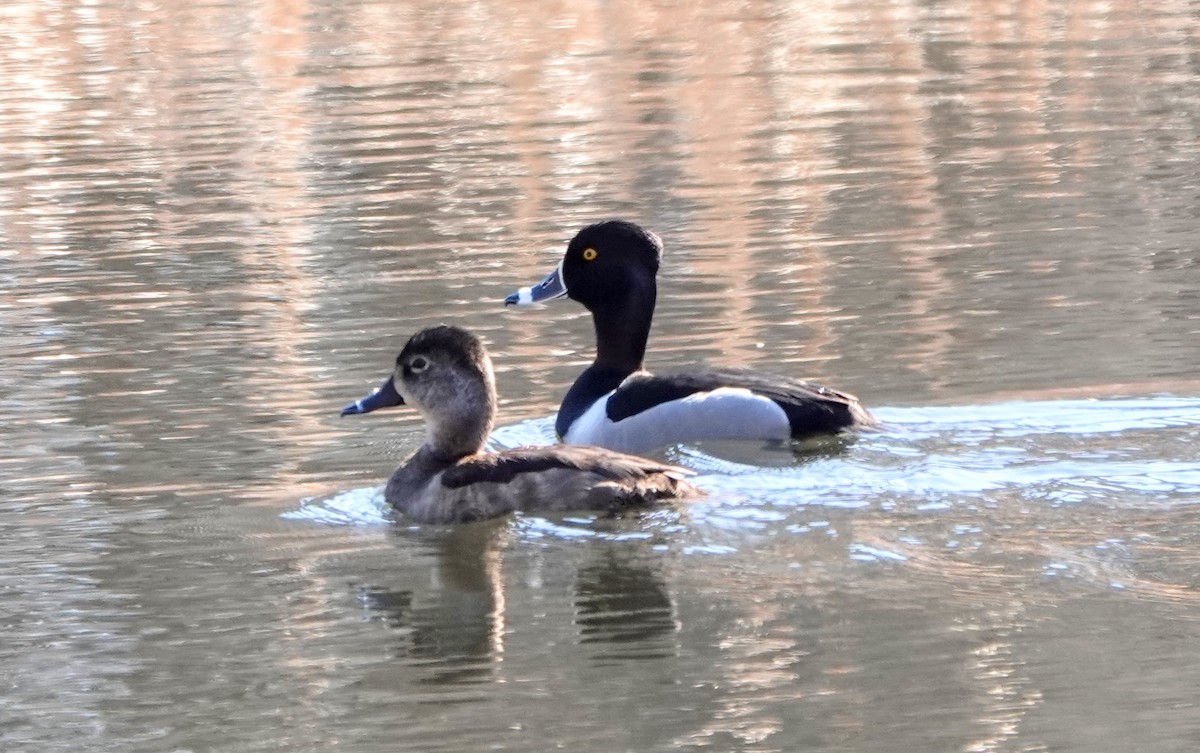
[
  {"x": 810, "y": 408},
  {"x": 502, "y": 467}
]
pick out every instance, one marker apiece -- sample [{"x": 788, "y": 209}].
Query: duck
[
  {"x": 445, "y": 373},
  {"x": 611, "y": 268}
]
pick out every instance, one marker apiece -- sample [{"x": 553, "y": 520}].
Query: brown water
[{"x": 219, "y": 221}]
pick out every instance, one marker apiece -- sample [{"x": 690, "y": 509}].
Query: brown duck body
[
  {"x": 562, "y": 478},
  {"x": 446, "y": 374}
]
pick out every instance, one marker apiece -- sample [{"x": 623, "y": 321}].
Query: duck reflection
[
  {"x": 453, "y": 625},
  {"x": 625, "y": 603}
]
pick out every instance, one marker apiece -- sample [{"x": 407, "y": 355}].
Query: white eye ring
[{"x": 418, "y": 364}]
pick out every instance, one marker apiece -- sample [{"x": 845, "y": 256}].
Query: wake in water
[
  {"x": 353, "y": 507},
  {"x": 1126, "y": 452},
  {"x": 1123, "y": 453}
]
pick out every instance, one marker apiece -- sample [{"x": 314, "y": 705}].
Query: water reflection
[
  {"x": 459, "y": 638},
  {"x": 214, "y": 218},
  {"x": 625, "y": 602},
  {"x": 452, "y": 627}
]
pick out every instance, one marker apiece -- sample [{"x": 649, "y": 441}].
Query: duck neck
[
  {"x": 459, "y": 411},
  {"x": 460, "y": 430},
  {"x": 623, "y": 328},
  {"x": 414, "y": 473}
]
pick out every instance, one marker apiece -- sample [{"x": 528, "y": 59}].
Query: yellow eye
[{"x": 589, "y": 254}]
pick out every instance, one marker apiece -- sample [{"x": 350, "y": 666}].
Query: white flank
[{"x": 724, "y": 413}]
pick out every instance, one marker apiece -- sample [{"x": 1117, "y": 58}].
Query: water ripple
[
  {"x": 356, "y": 507},
  {"x": 1055, "y": 452}
]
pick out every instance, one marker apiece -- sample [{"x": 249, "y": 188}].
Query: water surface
[{"x": 220, "y": 221}]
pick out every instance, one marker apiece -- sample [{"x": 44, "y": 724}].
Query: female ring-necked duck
[
  {"x": 610, "y": 268},
  {"x": 445, "y": 373}
]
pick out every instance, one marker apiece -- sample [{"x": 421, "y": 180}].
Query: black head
[
  {"x": 610, "y": 268},
  {"x": 605, "y": 260}
]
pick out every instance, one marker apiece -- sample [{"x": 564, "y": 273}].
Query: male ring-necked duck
[
  {"x": 445, "y": 373},
  {"x": 610, "y": 268}
]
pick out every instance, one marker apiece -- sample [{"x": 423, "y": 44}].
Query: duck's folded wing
[
  {"x": 808, "y": 406},
  {"x": 503, "y": 467}
]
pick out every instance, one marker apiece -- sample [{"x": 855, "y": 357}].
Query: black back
[{"x": 810, "y": 408}]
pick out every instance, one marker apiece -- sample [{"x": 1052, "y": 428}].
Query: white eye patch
[{"x": 418, "y": 364}]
